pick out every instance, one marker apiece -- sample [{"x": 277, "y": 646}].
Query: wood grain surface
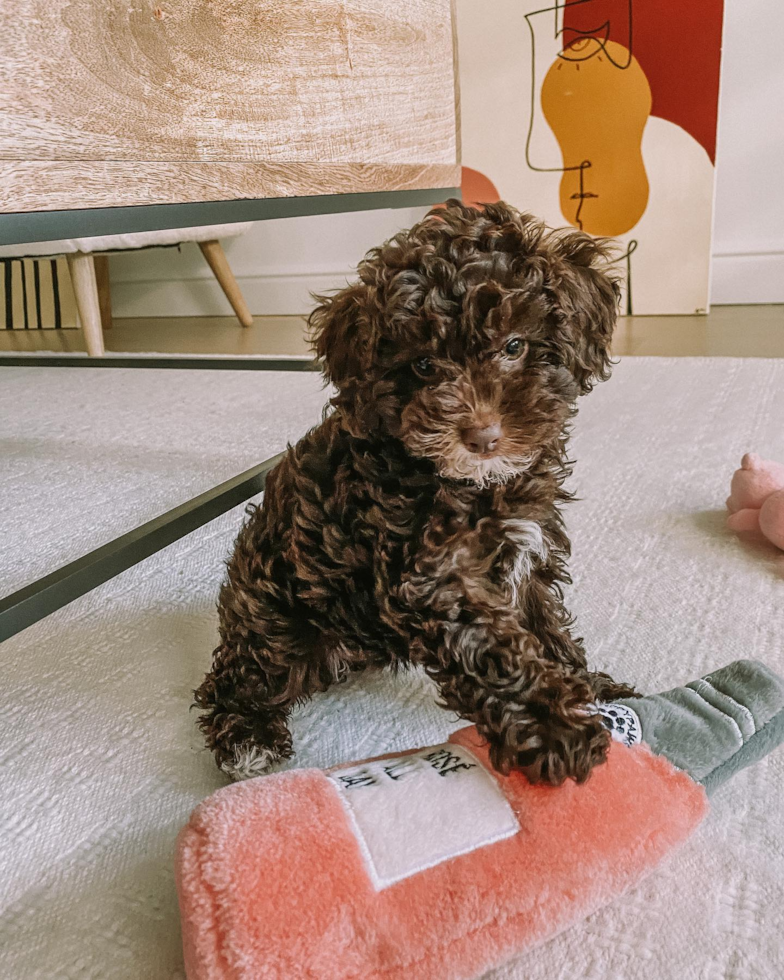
[{"x": 328, "y": 81}]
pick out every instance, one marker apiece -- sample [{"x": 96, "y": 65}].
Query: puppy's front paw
[
  {"x": 556, "y": 750},
  {"x": 249, "y": 760}
]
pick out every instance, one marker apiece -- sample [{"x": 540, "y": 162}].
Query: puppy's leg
[
  {"x": 248, "y": 694},
  {"x": 245, "y": 707},
  {"x": 270, "y": 657},
  {"x": 532, "y": 711}
]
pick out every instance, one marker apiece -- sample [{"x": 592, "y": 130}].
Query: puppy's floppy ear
[
  {"x": 339, "y": 333},
  {"x": 585, "y": 303}
]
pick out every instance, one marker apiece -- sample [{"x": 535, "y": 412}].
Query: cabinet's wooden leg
[
  {"x": 82, "y": 269},
  {"x": 104, "y": 290},
  {"x": 216, "y": 259}
]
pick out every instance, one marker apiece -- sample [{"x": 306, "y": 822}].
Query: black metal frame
[
  {"x": 44, "y": 226},
  {"x": 212, "y": 362}
]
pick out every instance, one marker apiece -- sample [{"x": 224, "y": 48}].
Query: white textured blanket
[{"x": 101, "y": 761}]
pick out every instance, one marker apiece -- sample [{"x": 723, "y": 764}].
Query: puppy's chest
[
  {"x": 494, "y": 553},
  {"x": 524, "y": 545}
]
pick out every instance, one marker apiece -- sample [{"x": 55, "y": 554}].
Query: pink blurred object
[{"x": 756, "y": 500}]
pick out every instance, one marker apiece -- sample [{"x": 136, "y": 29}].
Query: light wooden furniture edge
[{"x": 48, "y": 185}]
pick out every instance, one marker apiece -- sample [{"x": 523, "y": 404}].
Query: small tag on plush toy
[
  {"x": 414, "y": 811},
  {"x": 623, "y": 723}
]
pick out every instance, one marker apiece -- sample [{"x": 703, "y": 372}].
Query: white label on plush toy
[
  {"x": 623, "y": 723},
  {"x": 412, "y": 812}
]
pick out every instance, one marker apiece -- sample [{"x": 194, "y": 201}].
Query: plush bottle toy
[
  {"x": 756, "y": 500},
  {"x": 430, "y": 864}
]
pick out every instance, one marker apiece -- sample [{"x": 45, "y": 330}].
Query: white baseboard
[
  {"x": 748, "y": 277},
  {"x": 266, "y": 295}
]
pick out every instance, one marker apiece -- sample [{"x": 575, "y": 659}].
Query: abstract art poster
[{"x": 600, "y": 114}]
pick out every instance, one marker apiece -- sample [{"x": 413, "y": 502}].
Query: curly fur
[{"x": 384, "y": 540}]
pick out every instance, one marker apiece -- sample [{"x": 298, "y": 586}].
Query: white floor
[
  {"x": 88, "y": 454},
  {"x": 101, "y": 761}
]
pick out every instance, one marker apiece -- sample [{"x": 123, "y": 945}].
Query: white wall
[
  {"x": 279, "y": 262},
  {"x": 748, "y": 233}
]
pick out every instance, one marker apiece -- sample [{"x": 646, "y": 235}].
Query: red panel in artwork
[
  {"x": 678, "y": 46},
  {"x": 478, "y": 189}
]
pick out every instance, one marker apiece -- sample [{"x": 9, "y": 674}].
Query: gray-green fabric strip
[
  {"x": 758, "y": 746},
  {"x": 715, "y": 726}
]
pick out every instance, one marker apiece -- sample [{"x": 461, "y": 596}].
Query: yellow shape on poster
[{"x": 597, "y": 111}]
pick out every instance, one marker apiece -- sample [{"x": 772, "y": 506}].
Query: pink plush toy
[
  {"x": 429, "y": 865},
  {"x": 756, "y": 500}
]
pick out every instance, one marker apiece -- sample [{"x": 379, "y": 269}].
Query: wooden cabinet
[{"x": 105, "y": 103}]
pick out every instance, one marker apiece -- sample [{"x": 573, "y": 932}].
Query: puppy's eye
[
  {"x": 514, "y": 347},
  {"x": 424, "y": 367}
]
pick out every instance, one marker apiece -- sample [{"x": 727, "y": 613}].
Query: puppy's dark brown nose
[{"x": 482, "y": 440}]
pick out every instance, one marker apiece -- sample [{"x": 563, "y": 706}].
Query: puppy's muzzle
[{"x": 482, "y": 440}]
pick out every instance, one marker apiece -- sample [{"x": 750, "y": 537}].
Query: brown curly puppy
[{"x": 419, "y": 523}]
